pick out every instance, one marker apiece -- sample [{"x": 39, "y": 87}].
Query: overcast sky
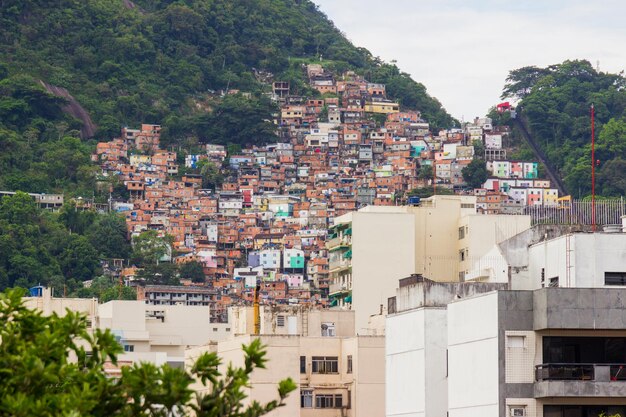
[{"x": 462, "y": 50}]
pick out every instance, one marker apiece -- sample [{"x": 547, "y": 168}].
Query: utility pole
[{"x": 593, "y": 171}]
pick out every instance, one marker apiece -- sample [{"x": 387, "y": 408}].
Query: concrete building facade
[
  {"x": 440, "y": 239},
  {"x": 551, "y": 352}
]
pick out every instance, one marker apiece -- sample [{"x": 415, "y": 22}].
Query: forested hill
[
  {"x": 155, "y": 60},
  {"x": 556, "y": 102}
]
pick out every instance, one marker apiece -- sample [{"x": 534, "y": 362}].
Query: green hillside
[
  {"x": 556, "y": 102},
  {"x": 157, "y": 61}
]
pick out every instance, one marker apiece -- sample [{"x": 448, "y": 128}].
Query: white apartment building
[
  {"x": 552, "y": 352},
  {"x": 553, "y": 256}
]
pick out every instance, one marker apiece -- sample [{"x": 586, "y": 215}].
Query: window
[
  {"x": 280, "y": 321},
  {"x": 303, "y": 364},
  {"x": 515, "y": 341},
  {"x": 306, "y": 398},
  {"x": 328, "y": 401},
  {"x": 328, "y": 329},
  {"x": 462, "y": 255},
  {"x": 615, "y": 278},
  {"x": 554, "y": 282},
  {"x": 517, "y": 410},
  {"x": 129, "y": 348},
  {"x": 461, "y": 233},
  {"x": 349, "y": 370},
  {"x": 325, "y": 364}
]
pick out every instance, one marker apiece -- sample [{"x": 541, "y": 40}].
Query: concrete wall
[
  {"x": 405, "y": 389},
  {"x": 382, "y": 252},
  {"x": 365, "y": 384},
  {"x": 579, "y": 308},
  {"x": 473, "y": 378},
  {"x": 416, "y": 363},
  {"x": 140, "y": 325}
]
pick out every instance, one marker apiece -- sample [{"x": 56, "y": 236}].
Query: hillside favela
[{"x": 238, "y": 208}]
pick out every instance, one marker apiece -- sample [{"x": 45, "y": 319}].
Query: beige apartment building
[
  {"x": 159, "y": 333},
  {"x": 48, "y": 304},
  {"x": 441, "y": 239},
  {"x": 338, "y": 374}
]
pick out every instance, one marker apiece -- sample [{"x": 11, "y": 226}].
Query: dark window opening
[{"x": 615, "y": 278}]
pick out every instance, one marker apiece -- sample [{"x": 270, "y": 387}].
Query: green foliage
[
  {"x": 59, "y": 250},
  {"x": 475, "y": 173},
  {"x": 108, "y": 234},
  {"x": 105, "y": 289},
  {"x": 192, "y": 270},
  {"x": 149, "y": 248},
  {"x": 425, "y": 192},
  {"x": 556, "y": 101},
  {"x": 40, "y": 151},
  {"x": 164, "y": 273},
  {"x": 211, "y": 175},
  {"x": 425, "y": 172},
  {"x": 228, "y": 391},
  {"x": 479, "y": 149},
  {"x": 52, "y": 366},
  {"x": 160, "y": 63}
]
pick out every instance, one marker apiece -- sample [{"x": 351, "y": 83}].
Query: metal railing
[
  {"x": 603, "y": 372},
  {"x": 607, "y": 212},
  {"x": 565, "y": 371}
]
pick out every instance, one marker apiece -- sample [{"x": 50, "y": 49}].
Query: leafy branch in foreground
[{"x": 51, "y": 366}]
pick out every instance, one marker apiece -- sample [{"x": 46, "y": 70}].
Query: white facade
[
  {"x": 581, "y": 260},
  {"x": 270, "y": 258},
  {"x": 473, "y": 374},
  {"x": 417, "y": 363}
]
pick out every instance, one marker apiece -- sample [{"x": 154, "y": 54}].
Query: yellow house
[
  {"x": 136, "y": 160},
  {"x": 382, "y": 107}
]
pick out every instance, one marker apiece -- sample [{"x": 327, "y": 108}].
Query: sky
[{"x": 463, "y": 50}]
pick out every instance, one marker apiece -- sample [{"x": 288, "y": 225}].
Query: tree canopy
[
  {"x": 54, "y": 366},
  {"x": 57, "y": 249},
  {"x": 556, "y": 101}
]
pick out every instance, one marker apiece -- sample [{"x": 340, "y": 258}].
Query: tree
[
  {"x": 475, "y": 173},
  {"x": 149, "y": 248},
  {"x": 192, "y": 270},
  {"x": 52, "y": 366},
  {"x": 211, "y": 175},
  {"x": 425, "y": 172},
  {"x": 105, "y": 289},
  {"x": 108, "y": 235},
  {"x": 425, "y": 192},
  {"x": 479, "y": 149},
  {"x": 164, "y": 273},
  {"x": 78, "y": 259}
]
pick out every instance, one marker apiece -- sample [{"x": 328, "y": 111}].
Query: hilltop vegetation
[
  {"x": 556, "y": 101},
  {"x": 158, "y": 61},
  {"x": 60, "y": 250}
]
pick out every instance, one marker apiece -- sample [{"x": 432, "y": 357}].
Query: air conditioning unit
[{"x": 518, "y": 411}]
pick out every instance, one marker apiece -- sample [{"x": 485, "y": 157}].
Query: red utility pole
[
  {"x": 593, "y": 172},
  {"x": 435, "y": 177}
]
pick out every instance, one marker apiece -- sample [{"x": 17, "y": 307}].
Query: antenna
[{"x": 593, "y": 171}]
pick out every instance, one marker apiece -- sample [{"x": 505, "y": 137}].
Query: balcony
[
  {"x": 579, "y": 380},
  {"x": 336, "y": 288},
  {"x": 338, "y": 242},
  {"x": 335, "y": 266}
]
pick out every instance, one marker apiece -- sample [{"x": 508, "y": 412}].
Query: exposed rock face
[{"x": 73, "y": 108}]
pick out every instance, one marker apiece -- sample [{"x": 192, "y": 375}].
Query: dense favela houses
[{"x": 269, "y": 208}]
